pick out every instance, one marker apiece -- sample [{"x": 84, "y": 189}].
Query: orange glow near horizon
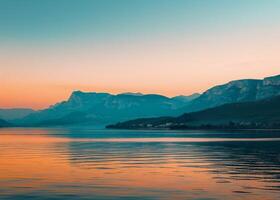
[
  {"x": 38, "y": 77},
  {"x": 169, "y": 48}
]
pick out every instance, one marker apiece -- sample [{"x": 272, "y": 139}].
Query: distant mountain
[
  {"x": 255, "y": 114},
  {"x": 4, "y": 123},
  {"x": 132, "y": 93},
  {"x": 15, "y": 113},
  {"x": 236, "y": 91},
  {"x": 90, "y": 108},
  {"x": 103, "y": 108},
  {"x": 186, "y": 98}
]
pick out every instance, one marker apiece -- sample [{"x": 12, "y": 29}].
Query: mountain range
[
  {"x": 236, "y": 91},
  {"x": 90, "y": 108},
  {"x": 263, "y": 113}
]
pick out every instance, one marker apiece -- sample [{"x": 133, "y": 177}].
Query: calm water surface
[{"x": 103, "y": 164}]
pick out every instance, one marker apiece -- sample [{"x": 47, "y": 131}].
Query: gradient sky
[{"x": 49, "y": 48}]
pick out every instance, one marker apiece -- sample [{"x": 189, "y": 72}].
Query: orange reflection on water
[{"x": 47, "y": 163}]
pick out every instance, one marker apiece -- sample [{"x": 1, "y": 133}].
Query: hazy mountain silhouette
[
  {"x": 90, "y": 108},
  {"x": 103, "y": 108},
  {"x": 15, "y": 113}
]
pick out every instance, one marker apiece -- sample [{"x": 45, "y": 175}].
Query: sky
[{"x": 170, "y": 47}]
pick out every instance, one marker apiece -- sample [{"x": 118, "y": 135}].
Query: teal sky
[
  {"x": 52, "y": 47},
  {"x": 45, "y": 20}
]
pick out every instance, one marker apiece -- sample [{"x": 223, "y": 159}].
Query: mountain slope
[
  {"x": 186, "y": 98},
  {"x": 103, "y": 108},
  {"x": 15, "y": 113},
  {"x": 4, "y": 123},
  {"x": 236, "y": 91},
  {"x": 255, "y": 114}
]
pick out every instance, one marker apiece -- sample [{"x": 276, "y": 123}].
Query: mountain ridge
[
  {"x": 236, "y": 91},
  {"x": 104, "y": 108},
  {"x": 263, "y": 113}
]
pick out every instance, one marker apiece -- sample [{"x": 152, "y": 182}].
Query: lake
[{"x": 84, "y": 163}]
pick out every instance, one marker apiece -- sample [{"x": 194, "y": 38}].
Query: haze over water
[{"x": 104, "y": 164}]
